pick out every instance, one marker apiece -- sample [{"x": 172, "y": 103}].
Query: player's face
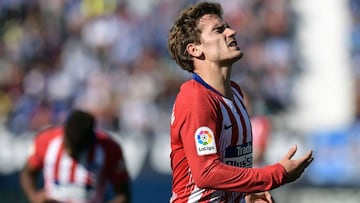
[
  {"x": 78, "y": 142},
  {"x": 218, "y": 42}
]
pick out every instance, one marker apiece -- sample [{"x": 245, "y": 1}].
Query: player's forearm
[
  {"x": 246, "y": 180},
  {"x": 122, "y": 192},
  {"x": 120, "y": 199},
  {"x": 28, "y": 184}
]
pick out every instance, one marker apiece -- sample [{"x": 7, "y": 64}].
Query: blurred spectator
[{"x": 261, "y": 131}]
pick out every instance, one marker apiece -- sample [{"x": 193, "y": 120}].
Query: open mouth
[{"x": 233, "y": 44}]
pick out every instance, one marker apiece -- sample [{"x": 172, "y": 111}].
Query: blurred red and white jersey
[
  {"x": 261, "y": 127},
  {"x": 82, "y": 180}
]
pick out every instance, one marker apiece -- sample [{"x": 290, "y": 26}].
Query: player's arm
[
  {"x": 122, "y": 192},
  {"x": 294, "y": 170},
  {"x": 28, "y": 179},
  {"x": 30, "y": 172},
  {"x": 118, "y": 174},
  {"x": 32, "y": 168},
  {"x": 209, "y": 172}
]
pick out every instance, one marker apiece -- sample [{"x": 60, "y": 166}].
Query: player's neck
[
  {"x": 72, "y": 151},
  {"x": 219, "y": 79}
]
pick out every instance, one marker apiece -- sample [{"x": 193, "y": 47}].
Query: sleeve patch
[{"x": 205, "y": 141}]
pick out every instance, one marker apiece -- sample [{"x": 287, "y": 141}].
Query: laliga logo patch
[{"x": 205, "y": 143}]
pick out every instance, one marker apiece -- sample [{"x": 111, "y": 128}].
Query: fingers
[
  {"x": 307, "y": 157},
  {"x": 260, "y": 197},
  {"x": 295, "y": 167},
  {"x": 291, "y": 152},
  {"x": 268, "y": 197}
]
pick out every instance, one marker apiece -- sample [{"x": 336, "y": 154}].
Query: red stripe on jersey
[
  {"x": 241, "y": 101},
  {"x": 207, "y": 193},
  {"x": 72, "y": 170},
  {"x": 237, "y": 87},
  {"x": 219, "y": 128},
  {"x": 88, "y": 178},
  {"x": 57, "y": 163},
  {"x": 235, "y": 127},
  {"x": 243, "y": 124},
  {"x": 238, "y": 109}
]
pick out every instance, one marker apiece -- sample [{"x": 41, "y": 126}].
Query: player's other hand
[
  {"x": 41, "y": 197},
  {"x": 295, "y": 167},
  {"x": 260, "y": 197}
]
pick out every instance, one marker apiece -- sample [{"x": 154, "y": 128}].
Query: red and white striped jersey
[
  {"x": 211, "y": 148},
  {"x": 82, "y": 180}
]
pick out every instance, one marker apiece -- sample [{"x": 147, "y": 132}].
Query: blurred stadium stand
[{"x": 301, "y": 69}]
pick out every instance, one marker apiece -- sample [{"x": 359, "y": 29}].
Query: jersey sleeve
[
  {"x": 39, "y": 146},
  {"x": 115, "y": 165},
  {"x": 207, "y": 169},
  {"x": 35, "y": 159}
]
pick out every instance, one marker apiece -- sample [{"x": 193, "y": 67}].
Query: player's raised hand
[{"x": 295, "y": 167}]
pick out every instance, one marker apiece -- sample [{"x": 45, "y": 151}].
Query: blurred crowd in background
[
  {"x": 354, "y": 48},
  {"x": 338, "y": 150},
  {"x": 110, "y": 57}
]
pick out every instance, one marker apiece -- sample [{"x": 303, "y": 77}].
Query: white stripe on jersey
[
  {"x": 80, "y": 171},
  {"x": 239, "y": 101},
  {"x": 226, "y": 135},
  {"x": 244, "y": 113},
  {"x": 195, "y": 195},
  {"x": 64, "y": 169},
  {"x": 49, "y": 162},
  {"x": 216, "y": 196},
  {"x": 237, "y": 94}
]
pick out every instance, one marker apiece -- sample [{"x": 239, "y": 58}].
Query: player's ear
[{"x": 193, "y": 50}]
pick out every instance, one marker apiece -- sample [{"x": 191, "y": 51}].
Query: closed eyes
[{"x": 221, "y": 28}]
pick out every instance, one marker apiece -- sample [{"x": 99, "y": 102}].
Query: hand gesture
[
  {"x": 260, "y": 197},
  {"x": 296, "y": 167}
]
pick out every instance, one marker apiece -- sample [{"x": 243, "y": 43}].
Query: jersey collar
[{"x": 198, "y": 79}]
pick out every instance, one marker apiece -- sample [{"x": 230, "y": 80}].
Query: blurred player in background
[
  {"x": 76, "y": 161},
  {"x": 261, "y": 131},
  {"x": 211, "y": 136}
]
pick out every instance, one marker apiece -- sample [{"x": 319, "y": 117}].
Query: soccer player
[
  {"x": 77, "y": 161},
  {"x": 211, "y": 139}
]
